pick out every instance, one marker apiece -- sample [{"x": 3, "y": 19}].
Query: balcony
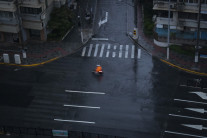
[
  {"x": 7, "y": 5},
  {"x": 192, "y": 23},
  {"x": 33, "y": 17},
  {"x": 179, "y": 6},
  {"x": 9, "y": 21},
  {"x": 162, "y": 20}
]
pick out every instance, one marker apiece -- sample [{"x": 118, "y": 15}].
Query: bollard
[
  {"x": 6, "y": 58},
  {"x": 24, "y": 54},
  {"x": 17, "y": 59}
]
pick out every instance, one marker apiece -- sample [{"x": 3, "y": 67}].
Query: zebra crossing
[{"x": 109, "y": 50}]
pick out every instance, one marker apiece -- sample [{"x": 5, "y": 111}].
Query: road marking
[
  {"x": 126, "y": 52},
  {"x": 199, "y": 127},
  {"x": 189, "y": 101},
  {"x": 114, "y": 53},
  {"x": 104, "y": 21},
  {"x": 83, "y": 51},
  {"x": 100, "y": 39},
  {"x": 139, "y": 53},
  {"x": 188, "y": 117},
  {"x": 96, "y": 50},
  {"x": 199, "y": 110},
  {"x": 184, "y": 134},
  {"x": 107, "y": 53},
  {"x": 90, "y": 49},
  {"x": 102, "y": 49},
  {"x": 120, "y": 51},
  {"x": 74, "y": 121},
  {"x": 71, "y": 91},
  {"x": 201, "y": 95},
  {"x": 132, "y": 54},
  {"x": 81, "y": 106},
  {"x": 182, "y": 85}
]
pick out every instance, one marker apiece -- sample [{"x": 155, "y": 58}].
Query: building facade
[
  {"x": 183, "y": 22},
  {"x": 21, "y": 20}
]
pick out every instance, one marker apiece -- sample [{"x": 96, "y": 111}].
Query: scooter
[{"x": 97, "y": 73}]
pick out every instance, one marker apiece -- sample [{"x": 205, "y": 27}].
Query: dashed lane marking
[
  {"x": 68, "y": 105},
  {"x": 72, "y": 91},
  {"x": 74, "y": 121},
  {"x": 190, "y": 117},
  {"x": 184, "y": 134},
  {"x": 189, "y": 101}
]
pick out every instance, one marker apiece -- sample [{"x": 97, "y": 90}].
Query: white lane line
[
  {"x": 184, "y": 134},
  {"x": 189, "y": 101},
  {"x": 126, "y": 52},
  {"x": 100, "y": 39},
  {"x": 202, "y": 95},
  {"x": 71, "y": 91},
  {"x": 139, "y": 53},
  {"x": 90, "y": 49},
  {"x": 114, "y": 53},
  {"x": 120, "y": 51},
  {"x": 107, "y": 53},
  {"x": 132, "y": 54},
  {"x": 102, "y": 49},
  {"x": 96, "y": 50},
  {"x": 183, "y": 85},
  {"x": 75, "y": 121},
  {"x": 83, "y": 51},
  {"x": 81, "y": 106},
  {"x": 188, "y": 117}
]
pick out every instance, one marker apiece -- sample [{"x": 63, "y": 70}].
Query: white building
[
  {"x": 183, "y": 22},
  {"x": 21, "y": 20}
]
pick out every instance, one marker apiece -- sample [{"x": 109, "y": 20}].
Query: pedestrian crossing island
[{"x": 109, "y": 50}]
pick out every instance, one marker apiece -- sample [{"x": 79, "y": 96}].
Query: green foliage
[
  {"x": 148, "y": 13},
  {"x": 60, "y": 22}
]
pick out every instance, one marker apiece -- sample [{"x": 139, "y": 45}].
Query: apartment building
[
  {"x": 21, "y": 20},
  {"x": 183, "y": 22}
]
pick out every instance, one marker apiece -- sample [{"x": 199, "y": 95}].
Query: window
[
  {"x": 164, "y": 14},
  {"x": 6, "y": 14},
  {"x": 185, "y": 15},
  {"x": 28, "y": 10}
]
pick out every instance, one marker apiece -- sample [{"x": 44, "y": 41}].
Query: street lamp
[
  {"x": 168, "y": 35},
  {"x": 198, "y": 33}
]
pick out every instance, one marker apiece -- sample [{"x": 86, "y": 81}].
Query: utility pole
[
  {"x": 198, "y": 33},
  {"x": 168, "y": 35}
]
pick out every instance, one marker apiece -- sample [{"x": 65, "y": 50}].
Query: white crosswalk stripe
[
  {"x": 96, "y": 50},
  {"x": 120, "y": 51},
  {"x": 103, "y": 50},
  {"x": 83, "y": 52},
  {"x": 90, "y": 49},
  {"x": 107, "y": 54},
  {"x": 126, "y": 52},
  {"x": 132, "y": 54}
]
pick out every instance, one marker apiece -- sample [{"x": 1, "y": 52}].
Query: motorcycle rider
[{"x": 98, "y": 68}]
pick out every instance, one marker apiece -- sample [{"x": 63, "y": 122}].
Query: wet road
[{"x": 138, "y": 96}]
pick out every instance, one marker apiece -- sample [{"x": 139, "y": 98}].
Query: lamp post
[
  {"x": 198, "y": 33},
  {"x": 168, "y": 34}
]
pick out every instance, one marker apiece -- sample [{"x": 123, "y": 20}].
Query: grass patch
[
  {"x": 185, "y": 50},
  {"x": 61, "y": 20}
]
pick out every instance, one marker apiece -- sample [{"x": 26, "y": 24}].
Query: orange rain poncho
[{"x": 98, "y": 68}]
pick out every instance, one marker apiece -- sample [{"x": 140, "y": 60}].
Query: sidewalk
[
  {"x": 42, "y": 52},
  {"x": 183, "y": 62}
]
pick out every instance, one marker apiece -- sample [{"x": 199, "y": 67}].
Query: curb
[
  {"x": 31, "y": 65},
  {"x": 183, "y": 69}
]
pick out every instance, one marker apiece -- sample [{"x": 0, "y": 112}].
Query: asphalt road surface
[{"x": 137, "y": 97}]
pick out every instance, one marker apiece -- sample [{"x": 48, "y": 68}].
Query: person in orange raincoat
[{"x": 98, "y": 68}]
